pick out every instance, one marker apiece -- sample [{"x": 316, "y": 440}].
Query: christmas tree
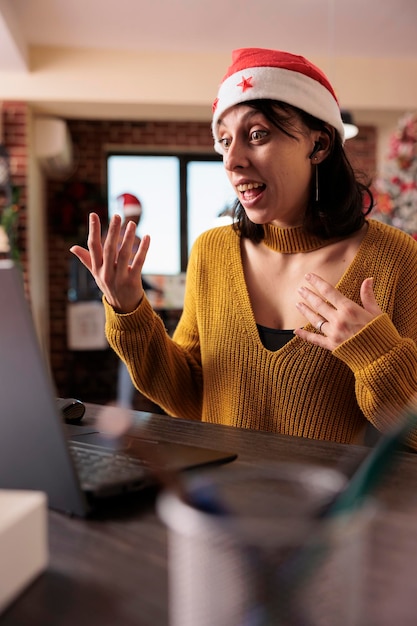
[{"x": 396, "y": 188}]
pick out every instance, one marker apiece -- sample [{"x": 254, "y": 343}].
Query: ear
[{"x": 323, "y": 142}]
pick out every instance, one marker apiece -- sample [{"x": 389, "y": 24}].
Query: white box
[{"x": 23, "y": 541}]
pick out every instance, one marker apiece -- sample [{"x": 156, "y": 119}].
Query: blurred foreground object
[
  {"x": 229, "y": 568},
  {"x": 23, "y": 541}
]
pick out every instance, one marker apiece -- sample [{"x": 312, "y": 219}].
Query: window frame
[{"x": 184, "y": 158}]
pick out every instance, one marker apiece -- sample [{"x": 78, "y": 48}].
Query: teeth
[{"x": 248, "y": 186}]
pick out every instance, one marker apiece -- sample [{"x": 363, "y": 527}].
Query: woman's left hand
[{"x": 335, "y": 317}]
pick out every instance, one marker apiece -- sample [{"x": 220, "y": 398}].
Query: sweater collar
[{"x": 292, "y": 240}]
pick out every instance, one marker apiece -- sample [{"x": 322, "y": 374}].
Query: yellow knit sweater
[{"x": 216, "y": 369}]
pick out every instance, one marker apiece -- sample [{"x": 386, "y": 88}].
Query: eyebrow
[{"x": 248, "y": 114}]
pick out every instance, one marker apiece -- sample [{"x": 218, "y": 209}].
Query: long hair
[{"x": 344, "y": 200}]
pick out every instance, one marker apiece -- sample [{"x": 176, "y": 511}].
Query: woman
[{"x": 300, "y": 318}]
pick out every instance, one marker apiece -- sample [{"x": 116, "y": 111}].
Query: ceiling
[
  {"x": 328, "y": 29},
  {"x": 357, "y": 28}
]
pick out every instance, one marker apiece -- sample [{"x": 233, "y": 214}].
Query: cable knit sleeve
[
  {"x": 385, "y": 368},
  {"x": 383, "y": 355},
  {"x": 166, "y": 370}
]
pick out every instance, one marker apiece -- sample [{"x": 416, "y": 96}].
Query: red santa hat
[
  {"x": 129, "y": 204},
  {"x": 258, "y": 73}
]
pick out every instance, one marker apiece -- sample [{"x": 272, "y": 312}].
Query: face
[{"x": 270, "y": 171}]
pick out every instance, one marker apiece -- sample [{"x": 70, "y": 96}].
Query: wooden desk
[{"x": 112, "y": 570}]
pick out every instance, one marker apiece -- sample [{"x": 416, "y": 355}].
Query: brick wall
[
  {"x": 362, "y": 149},
  {"x": 92, "y": 375}
]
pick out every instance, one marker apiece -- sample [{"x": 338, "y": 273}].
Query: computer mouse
[{"x": 72, "y": 410}]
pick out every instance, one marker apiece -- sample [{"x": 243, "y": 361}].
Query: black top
[{"x": 274, "y": 339}]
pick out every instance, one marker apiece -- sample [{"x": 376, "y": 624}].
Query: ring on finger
[{"x": 320, "y": 324}]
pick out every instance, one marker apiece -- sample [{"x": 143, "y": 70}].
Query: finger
[
  {"x": 111, "y": 242},
  {"x": 314, "y": 307},
  {"x": 83, "y": 255},
  {"x": 329, "y": 294},
  {"x": 368, "y": 299},
  {"x": 94, "y": 242},
  {"x": 140, "y": 256},
  {"x": 315, "y": 319},
  {"x": 315, "y": 338},
  {"x": 125, "y": 253}
]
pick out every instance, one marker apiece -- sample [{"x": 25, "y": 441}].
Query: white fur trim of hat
[{"x": 259, "y": 73}]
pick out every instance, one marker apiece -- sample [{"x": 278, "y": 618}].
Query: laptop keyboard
[{"x": 99, "y": 468}]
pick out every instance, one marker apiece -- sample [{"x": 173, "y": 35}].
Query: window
[{"x": 181, "y": 194}]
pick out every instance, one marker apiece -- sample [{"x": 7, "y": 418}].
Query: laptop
[{"x": 38, "y": 450}]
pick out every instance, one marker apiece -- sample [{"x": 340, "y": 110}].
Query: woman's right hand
[{"x": 108, "y": 262}]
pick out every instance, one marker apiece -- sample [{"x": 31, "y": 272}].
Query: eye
[
  {"x": 225, "y": 142},
  {"x": 258, "y": 135}
]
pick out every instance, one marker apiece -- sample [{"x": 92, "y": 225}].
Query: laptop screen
[{"x": 34, "y": 452}]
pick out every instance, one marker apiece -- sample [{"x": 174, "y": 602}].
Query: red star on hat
[{"x": 246, "y": 83}]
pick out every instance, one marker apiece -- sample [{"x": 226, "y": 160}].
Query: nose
[{"x": 236, "y": 156}]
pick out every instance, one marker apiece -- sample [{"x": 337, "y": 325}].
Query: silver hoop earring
[{"x": 317, "y": 184}]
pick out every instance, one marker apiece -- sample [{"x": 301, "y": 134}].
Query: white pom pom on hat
[
  {"x": 259, "y": 73},
  {"x": 129, "y": 204}
]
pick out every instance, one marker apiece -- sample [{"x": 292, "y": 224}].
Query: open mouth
[{"x": 250, "y": 190}]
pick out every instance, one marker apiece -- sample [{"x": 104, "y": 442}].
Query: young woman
[{"x": 301, "y": 317}]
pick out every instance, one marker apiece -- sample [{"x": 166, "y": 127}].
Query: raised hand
[
  {"x": 117, "y": 274},
  {"x": 335, "y": 316}
]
